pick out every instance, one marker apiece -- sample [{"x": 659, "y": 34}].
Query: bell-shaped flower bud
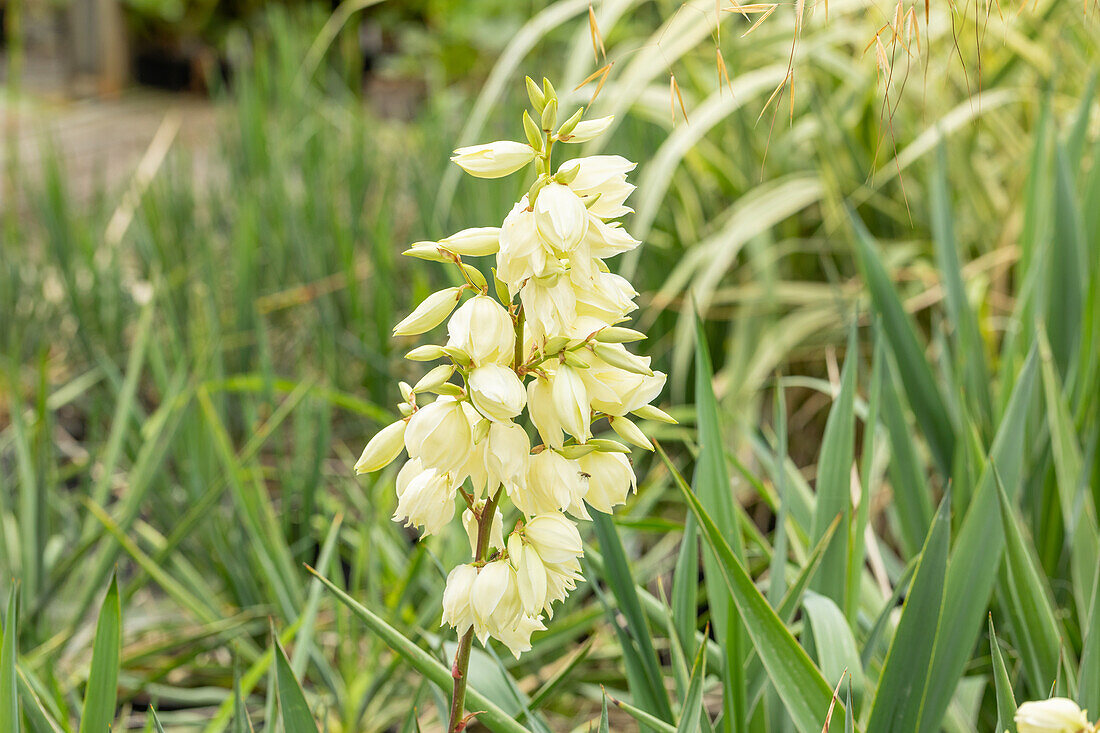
[
  {"x": 439, "y": 434},
  {"x": 494, "y": 160},
  {"x": 560, "y": 217},
  {"x": 474, "y": 242},
  {"x": 571, "y": 402},
  {"x": 555, "y": 537},
  {"x": 630, "y": 432},
  {"x": 383, "y": 448},
  {"x": 496, "y": 392},
  {"x": 482, "y": 328},
  {"x": 1056, "y": 715},
  {"x": 588, "y": 129},
  {"x": 434, "y": 378},
  {"x": 610, "y": 479},
  {"x": 457, "y": 593},
  {"x": 430, "y": 313}
]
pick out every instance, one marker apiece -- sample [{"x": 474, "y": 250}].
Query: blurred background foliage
[{"x": 183, "y": 392}]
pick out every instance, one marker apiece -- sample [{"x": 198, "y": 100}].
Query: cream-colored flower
[
  {"x": 540, "y": 406},
  {"x": 495, "y": 602},
  {"x": 483, "y": 329},
  {"x": 496, "y": 392},
  {"x": 607, "y": 239},
  {"x": 571, "y": 402},
  {"x": 439, "y": 434},
  {"x": 530, "y": 574},
  {"x": 474, "y": 242},
  {"x": 383, "y": 448},
  {"x": 505, "y": 453},
  {"x": 554, "y": 483},
  {"x": 560, "y": 217},
  {"x": 522, "y": 253},
  {"x": 494, "y": 160},
  {"x": 610, "y": 479},
  {"x": 603, "y": 175},
  {"x": 517, "y": 635},
  {"x": 589, "y": 129},
  {"x": 430, "y": 313},
  {"x": 1056, "y": 715},
  {"x": 425, "y": 497},
  {"x": 550, "y": 306},
  {"x": 555, "y": 537},
  {"x": 457, "y": 611}
]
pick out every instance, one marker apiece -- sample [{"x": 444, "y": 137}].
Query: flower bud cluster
[{"x": 546, "y": 341}]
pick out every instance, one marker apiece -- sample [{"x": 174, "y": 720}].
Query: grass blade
[
  {"x": 925, "y": 397},
  {"x": 968, "y": 343},
  {"x": 976, "y": 554},
  {"x": 799, "y": 683},
  {"x": 1039, "y": 636},
  {"x": 692, "y": 708},
  {"x": 834, "y": 480},
  {"x": 292, "y": 701},
  {"x": 1006, "y": 701},
  {"x": 98, "y": 713},
  {"x": 617, "y": 575},
  {"x": 9, "y": 701},
  {"x": 1067, "y": 268},
  {"x": 711, "y": 483},
  {"x": 905, "y": 673}
]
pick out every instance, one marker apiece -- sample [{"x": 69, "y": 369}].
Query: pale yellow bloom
[
  {"x": 497, "y": 392},
  {"x": 494, "y": 160},
  {"x": 1056, "y": 715}
]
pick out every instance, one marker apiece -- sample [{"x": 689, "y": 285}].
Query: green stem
[{"x": 462, "y": 656}]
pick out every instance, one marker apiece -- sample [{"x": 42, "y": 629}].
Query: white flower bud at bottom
[
  {"x": 383, "y": 448},
  {"x": 496, "y": 392},
  {"x": 495, "y": 598},
  {"x": 1056, "y": 715}
]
